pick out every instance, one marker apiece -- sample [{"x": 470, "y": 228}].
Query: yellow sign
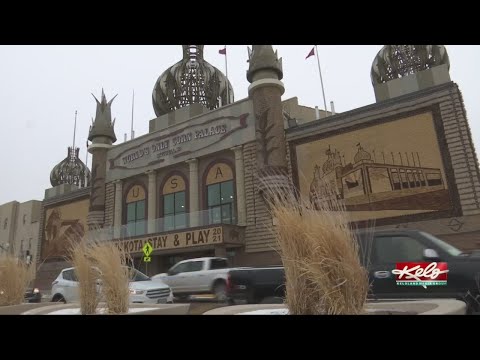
[
  {"x": 186, "y": 239},
  {"x": 147, "y": 249},
  {"x": 147, "y": 259}
]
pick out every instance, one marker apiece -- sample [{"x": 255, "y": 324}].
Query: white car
[{"x": 143, "y": 290}]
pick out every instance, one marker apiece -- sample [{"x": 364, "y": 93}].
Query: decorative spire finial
[
  {"x": 103, "y": 124},
  {"x": 262, "y": 57}
]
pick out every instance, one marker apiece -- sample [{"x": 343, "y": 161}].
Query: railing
[{"x": 178, "y": 222}]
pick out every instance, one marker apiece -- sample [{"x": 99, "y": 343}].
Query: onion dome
[
  {"x": 71, "y": 170},
  {"x": 191, "y": 80},
  {"x": 397, "y": 61},
  {"x": 362, "y": 155}
]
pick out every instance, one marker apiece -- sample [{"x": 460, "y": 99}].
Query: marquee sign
[{"x": 186, "y": 239}]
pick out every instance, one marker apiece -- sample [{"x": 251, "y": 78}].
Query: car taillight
[{"x": 229, "y": 282}]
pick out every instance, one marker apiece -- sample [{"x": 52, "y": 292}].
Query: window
[
  {"x": 411, "y": 178},
  {"x": 21, "y": 246},
  {"x": 379, "y": 180},
  {"x": 395, "y": 179},
  {"x": 69, "y": 275},
  {"x": 136, "y": 211},
  {"x": 174, "y": 207},
  {"x": 195, "y": 266},
  {"x": 30, "y": 244},
  {"x": 393, "y": 249},
  {"x": 434, "y": 179},
  {"x": 403, "y": 178},
  {"x": 5, "y": 223},
  {"x": 24, "y": 218},
  {"x": 218, "y": 264},
  {"x": 417, "y": 178},
  {"x": 180, "y": 268},
  {"x": 421, "y": 177},
  {"x": 136, "y": 275},
  {"x": 220, "y": 195},
  {"x": 220, "y": 203},
  {"x": 453, "y": 251}
]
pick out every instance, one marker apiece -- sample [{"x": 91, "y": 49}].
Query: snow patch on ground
[
  {"x": 266, "y": 312},
  {"x": 76, "y": 311}
]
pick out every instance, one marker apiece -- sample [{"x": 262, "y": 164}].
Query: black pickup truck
[{"x": 381, "y": 252}]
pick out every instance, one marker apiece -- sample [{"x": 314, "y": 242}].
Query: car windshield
[
  {"x": 136, "y": 275},
  {"x": 452, "y": 250}
]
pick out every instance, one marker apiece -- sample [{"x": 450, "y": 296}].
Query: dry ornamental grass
[
  {"x": 15, "y": 276},
  {"x": 323, "y": 270},
  {"x": 114, "y": 275},
  {"x": 87, "y": 278}
]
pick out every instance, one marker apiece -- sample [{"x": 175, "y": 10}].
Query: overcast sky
[{"x": 42, "y": 86}]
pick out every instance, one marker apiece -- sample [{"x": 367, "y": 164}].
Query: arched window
[
  {"x": 174, "y": 203},
  {"x": 220, "y": 194},
  {"x": 136, "y": 211}
]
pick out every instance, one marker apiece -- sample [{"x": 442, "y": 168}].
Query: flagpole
[
  {"x": 321, "y": 81},
  {"x": 133, "y": 104},
  {"x": 74, "y": 131},
  {"x": 226, "y": 75}
]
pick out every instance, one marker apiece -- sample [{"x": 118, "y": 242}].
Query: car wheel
[
  {"x": 59, "y": 298},
  {"x": 220, "y": 291}
]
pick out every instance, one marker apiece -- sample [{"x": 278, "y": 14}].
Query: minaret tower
[
  {"x": 266, "y": 89},
  {"x": 102, "y": 136}
]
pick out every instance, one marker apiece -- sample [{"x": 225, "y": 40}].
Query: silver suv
[{"x": 143, "y": 290}]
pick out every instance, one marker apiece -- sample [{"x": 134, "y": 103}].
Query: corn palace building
[{"x": 192, "y": 186}]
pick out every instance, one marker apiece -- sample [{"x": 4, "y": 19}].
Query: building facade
[
  {"x": 195, "y": 184},
  {"x": 19, "y": 229}
]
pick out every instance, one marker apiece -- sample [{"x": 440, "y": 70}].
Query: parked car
[
  {"x": 380, "y": 253},
  {"x": 198, "y": 276},
  {"x": 33, "y": 295},
  {"x": 142, "y": 289},
  {"x": 256, "y": 285}
]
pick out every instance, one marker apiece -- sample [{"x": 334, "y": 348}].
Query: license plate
[{"x": 160, "y": 301}]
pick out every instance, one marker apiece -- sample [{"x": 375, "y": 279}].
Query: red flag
[
  {"x": 223, "y": 51},
  {"x": 311, "y": 53}
]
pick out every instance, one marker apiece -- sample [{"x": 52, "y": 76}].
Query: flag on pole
[
  {"x": 311, "y": 53},
  {"x": 224, "y": 52}
]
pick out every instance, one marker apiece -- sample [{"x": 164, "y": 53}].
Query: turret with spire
[
  {"x": 103, "y": 126},
  {"x": 71, "y": 170},
  {"x": 266, "y": 90},
  {"x": 102, "y": 136}
]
